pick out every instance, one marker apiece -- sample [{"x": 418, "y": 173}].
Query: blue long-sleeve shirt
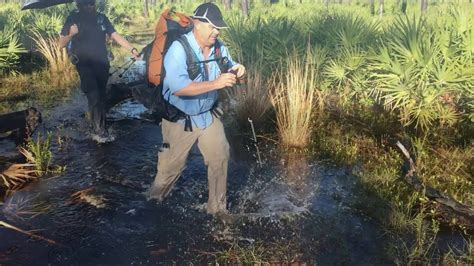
[{"x": 177, "y": 78}]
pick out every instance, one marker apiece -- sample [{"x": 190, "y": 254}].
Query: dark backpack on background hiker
[
  {"x": 167, "y": 31},
  {"x": 71, "y": 48}
]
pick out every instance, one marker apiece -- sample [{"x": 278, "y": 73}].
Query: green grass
[{"x": 405, "y": 214}]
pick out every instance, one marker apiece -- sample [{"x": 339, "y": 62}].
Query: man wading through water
[
  {"x": 84, "y": 32},
  {"x": 196, "y": 98}
]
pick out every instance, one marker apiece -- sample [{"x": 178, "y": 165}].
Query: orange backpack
[
  {"x": 171, "y": 27},
  {"x": 167, "y": 30}
]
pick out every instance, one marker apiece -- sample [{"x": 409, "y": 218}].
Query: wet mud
[{"x": 297, "y": 209}]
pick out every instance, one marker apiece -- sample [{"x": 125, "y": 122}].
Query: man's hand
[
  {"x": 64, "y": 40},
  {"x": 239, "y": 70},
  {"x": 135, "y": 53},
  {"x": 73, "y": 30},
  {"x": 225, "y": 80}
]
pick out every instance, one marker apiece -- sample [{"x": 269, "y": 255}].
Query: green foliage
[
  {"x": 41, "y": 153},
  {"x": 47, "y": 25},
  {"x": 10, "y": 50},
  {"x": 240, "y": 254},
  {"x": 270, "y": 40},
  {"x": 421, "y": 73}
]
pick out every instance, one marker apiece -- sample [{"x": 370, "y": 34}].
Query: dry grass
[
  {"x": 62, "y": 71},
  {"x": 87, "y": 196},
  {"x": 44, "y": 86},
  {"x": 18, "y": 174},
  {"x": 294, "y": 99},
  {"x": 252, "y": 99}
]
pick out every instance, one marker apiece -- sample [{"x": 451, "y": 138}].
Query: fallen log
[
  {"x": 117, "y": 93},
  {"x": 448, "y": 208},
  {"x": 22, "y": 124},
  {"x": 138, "y": 90}
]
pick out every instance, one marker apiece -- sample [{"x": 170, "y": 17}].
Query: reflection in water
[{"x": 297, "y": 170}]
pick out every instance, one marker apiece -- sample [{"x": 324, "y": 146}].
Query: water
[{"x": 96, "y": 211}]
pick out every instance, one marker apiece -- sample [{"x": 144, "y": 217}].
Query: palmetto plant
[
  {"x": 47, "y": 24},
  {"x": 10, "y": 49},
  {"x": 38, "y": 152},
  {"x": 271, "y": 39},
  {"x": 347, "y": 73},
  {"x": 457, "y": 38},
  {"x": 17, "y": 174},
  {"x": 419, "y": 76},
  {"x": 349, "y": 40}
]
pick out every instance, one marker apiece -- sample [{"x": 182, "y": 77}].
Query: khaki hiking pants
[{"x": 171, "y": 161}]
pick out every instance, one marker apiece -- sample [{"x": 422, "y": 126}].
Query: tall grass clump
[
  {"x": 38, "y": 152},
  {"x": 293, "y": 99},
  {"x": 252, "y": 98}
]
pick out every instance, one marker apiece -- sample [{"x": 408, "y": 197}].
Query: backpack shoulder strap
[
  {"x": 222, "y": 62},
  {"x": 193, "y": 68},
  {"x": 187, "y": 49},
  {"x": 101, "y": 21},
  {"x": 217, "y": 48}
]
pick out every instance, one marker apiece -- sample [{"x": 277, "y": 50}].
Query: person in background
[
  {"x": 84, "y": 33},
  {"x": 197, "y": 99}
]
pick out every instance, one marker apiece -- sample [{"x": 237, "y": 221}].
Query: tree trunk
[
  {"x": 145, "y": 8},
  {"x": 404, "y": 6},
  {"x": 381, "y": 7},
  {"x": 372, "y": 7},
  {"x": 424, "y": 6},
  {"x": 245, "y": 7},
  {"x": 227, "y": 4}
]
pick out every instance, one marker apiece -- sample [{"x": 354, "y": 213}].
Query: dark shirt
[{"x": 89, "y": 43}]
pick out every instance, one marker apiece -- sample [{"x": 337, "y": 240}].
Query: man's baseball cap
[{"x": 210, "y": 13}]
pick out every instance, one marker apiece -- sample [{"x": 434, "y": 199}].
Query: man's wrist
[{"x": 133, "y": 49}]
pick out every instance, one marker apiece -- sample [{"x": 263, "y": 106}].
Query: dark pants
[{"x": 93, "y": 83}]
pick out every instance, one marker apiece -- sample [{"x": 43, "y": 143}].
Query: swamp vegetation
[{"x": 331, "y": 87}]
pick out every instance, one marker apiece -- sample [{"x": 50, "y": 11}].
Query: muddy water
[{"x": 96, "y": 211}]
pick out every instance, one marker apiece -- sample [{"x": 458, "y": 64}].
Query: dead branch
[
  {"x": 9, "y": 226},
  {"x": 450, "y": 209}
]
